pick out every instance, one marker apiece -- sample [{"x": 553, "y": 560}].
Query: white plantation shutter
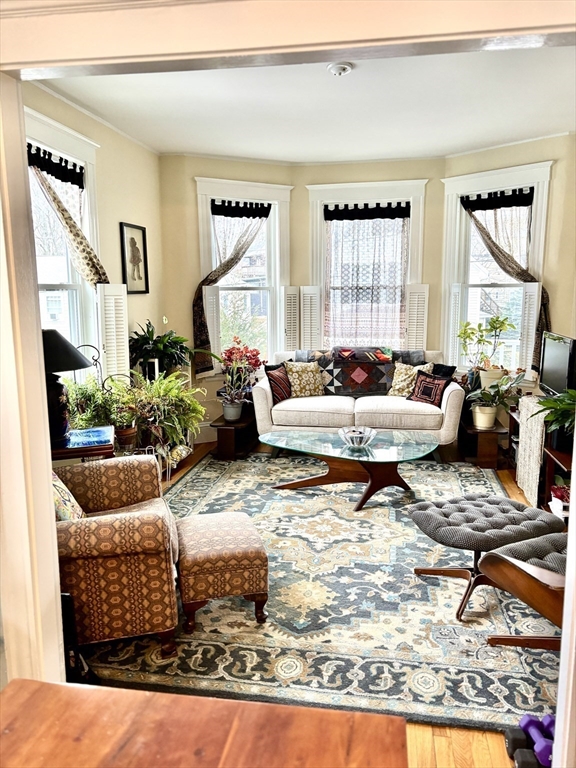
[
  {"x": 310, "y": 296},
  {"x": 416, "y": 316},
  {"x": 530, "y": 312},
  {"x": 112, "y": 308},
  {"x": 453, "y": 343},
  {"x": 290, "y": 319},
  {"x": 212, "y": 310}
]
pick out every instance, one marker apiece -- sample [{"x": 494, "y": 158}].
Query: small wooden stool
[{"x": 221, "y": 555}]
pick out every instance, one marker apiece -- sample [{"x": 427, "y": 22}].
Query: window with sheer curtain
[
  {"x": 490, "y": 290},
  {"x": 367, "y": 250},
  {"x": 59, "y": 285}
]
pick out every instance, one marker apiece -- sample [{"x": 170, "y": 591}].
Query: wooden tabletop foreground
[{"x": 55, "y": 725}]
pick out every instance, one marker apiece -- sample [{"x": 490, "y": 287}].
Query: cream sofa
[{"x": 327, "y": 413}]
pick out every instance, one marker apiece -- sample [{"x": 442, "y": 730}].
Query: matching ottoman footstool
[
  {"x": 221, "y": 555},
  {"x": 480, "y": 523}
]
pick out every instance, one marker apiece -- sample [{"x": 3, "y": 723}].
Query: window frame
[
  {"x": 278, "y": 239},
  {"x": 63, "y": 141},
  {"x": 382, "y": 192},
  {"x": 455, "y": 266}
]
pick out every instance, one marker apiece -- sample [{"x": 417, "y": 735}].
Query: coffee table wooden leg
[
  {"x": 381, "y": 476},
  {"x": 339, "y": 471}
]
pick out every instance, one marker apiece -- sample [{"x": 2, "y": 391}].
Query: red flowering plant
[{"x": 239, "y": 364}]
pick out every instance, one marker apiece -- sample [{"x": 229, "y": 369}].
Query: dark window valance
[
  {"x": 240, "y": 210},
  {"x": 61, "y": 169},
  {"x": 365, "y": 211},
  {"x": 510, "y": 198}
]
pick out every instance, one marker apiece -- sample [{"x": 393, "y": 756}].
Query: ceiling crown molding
[{"x": 21, "y": 8}]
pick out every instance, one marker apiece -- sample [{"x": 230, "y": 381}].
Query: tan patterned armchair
[{"x": 118, "y": 562}]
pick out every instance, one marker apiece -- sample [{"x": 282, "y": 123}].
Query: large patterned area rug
[{"x": 350, "y": 625}]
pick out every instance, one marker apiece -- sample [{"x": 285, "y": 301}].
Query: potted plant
[
  {"x": 239, "y": 365},
  {"x": 91, "y": 404},
  {"x": 560, "y": 416},
  {"x": 485, "y": 402},
  {"x": 170, "y": 350},
  {"x": 166, "y": 409},
  {"x": 479, "y": 345}
]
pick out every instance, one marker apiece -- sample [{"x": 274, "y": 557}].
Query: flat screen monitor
[{"x": 558, "y": 364}]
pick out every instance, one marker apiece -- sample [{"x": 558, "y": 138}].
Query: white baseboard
[{"x": 207, "y": 433}]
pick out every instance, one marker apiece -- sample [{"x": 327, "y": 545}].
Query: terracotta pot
[
  {"x": 484, "y": 417},
  {"x": 232, "y": 411}
]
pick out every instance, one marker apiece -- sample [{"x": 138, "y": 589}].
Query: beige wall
[
  {"x": 127, "y": 188},
  {"x": 559, "y": 272},
  {"x": 137, "y": 186}
]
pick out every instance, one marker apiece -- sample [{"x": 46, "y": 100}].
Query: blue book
[{"x": 85, "y": 438}]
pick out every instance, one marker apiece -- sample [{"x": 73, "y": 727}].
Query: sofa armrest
[
  {"x": 263, "y": 403},
  {"x": 451, "y": 407},
  {"x": 112, "y": 483},
  {"x": 118, "y": 534}
]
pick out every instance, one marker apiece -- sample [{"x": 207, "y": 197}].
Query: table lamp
[{"x": 59, "y": 355}]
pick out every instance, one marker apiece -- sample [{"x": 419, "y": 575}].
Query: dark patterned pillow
[
  {"x": 429, "y": 389},
  {"x": 279, "y": 383},
  {"x": 275, "y": 367},
  {"x": 445, "y": 371},
  {"x": 348, "y": 377}
]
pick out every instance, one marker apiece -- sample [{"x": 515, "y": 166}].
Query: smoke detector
[{"x": 339, "y": 69}]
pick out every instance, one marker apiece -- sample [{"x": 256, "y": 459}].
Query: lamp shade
[{"x": 60, "y": 354}]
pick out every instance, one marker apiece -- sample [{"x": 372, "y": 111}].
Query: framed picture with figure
[{"x": 134, "y": 258}]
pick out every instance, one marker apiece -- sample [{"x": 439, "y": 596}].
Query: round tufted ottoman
[
  {"x": 480, "y": 523},
  {"x": 220, "y": 555}
]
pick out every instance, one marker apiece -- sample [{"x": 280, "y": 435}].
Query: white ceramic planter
[
  {"x": 232, "y": 411},
  {"x": 484, "y": 417},
  {"x": 489, "y": 376}
]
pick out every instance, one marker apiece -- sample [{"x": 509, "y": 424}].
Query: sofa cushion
[
  {"x": 305, "y": 379},
  {"x": 279, "y": 383},
  {"x": 335, "y": 411},
  {"x": 446, "y": 371},
  {"x": 405, "y": 378},
  {"x": 429, "y": 388},
  {"x": 65, "y": 505},
  {"x": 386, "y": 412},
  {"x": 349, "y": 377}
]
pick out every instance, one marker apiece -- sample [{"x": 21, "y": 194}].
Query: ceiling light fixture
[{"x": 340, "y": 68}]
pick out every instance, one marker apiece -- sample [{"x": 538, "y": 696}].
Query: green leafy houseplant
[
  {"x": 166, "y": 409},
  {"x": 560, "y": 411},
  {"x": 91, "y": 404},
  {"x": 480, "y": 342},
  {"x": 503, "y": 392},
  {"x": 170, "y": 350}
]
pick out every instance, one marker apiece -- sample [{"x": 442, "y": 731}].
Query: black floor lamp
[{"x": 59, "y": 355}]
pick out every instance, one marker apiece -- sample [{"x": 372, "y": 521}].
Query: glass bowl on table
[{"x": 357, "y": 437}]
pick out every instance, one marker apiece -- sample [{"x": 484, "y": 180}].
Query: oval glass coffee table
[{"x": 375, "y": 464}]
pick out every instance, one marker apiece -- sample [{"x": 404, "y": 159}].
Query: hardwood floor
[{"x": 429, "y": 746}]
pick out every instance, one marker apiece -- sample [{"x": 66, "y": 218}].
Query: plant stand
[
  {"x": 480, "y": 446},
  {"x": 236, "y": 438}
]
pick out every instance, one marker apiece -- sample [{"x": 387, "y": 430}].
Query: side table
[
  {"x": 236, "y": 438},
  {"x": 481, "y": 445},
  {"x": 86, "y": 443}
]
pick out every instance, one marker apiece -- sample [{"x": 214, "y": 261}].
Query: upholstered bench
[
  {"x": 480, "y": 523},
  {"x": 221, "y": 555}
]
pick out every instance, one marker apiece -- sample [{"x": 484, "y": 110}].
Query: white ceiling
[{"x": 422, "y": 106}]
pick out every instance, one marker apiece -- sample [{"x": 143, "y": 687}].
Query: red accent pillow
[
  {"x": 279, "y": 384},
  {"x": 429, "y": 389}
]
